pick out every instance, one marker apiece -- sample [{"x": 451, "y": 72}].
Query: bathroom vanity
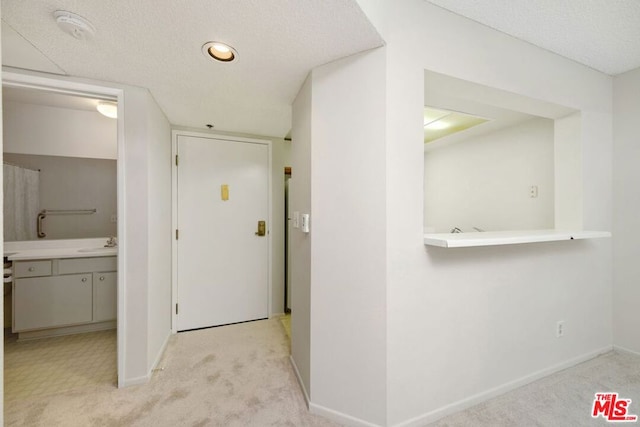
[{"x": 63, "y": 291}]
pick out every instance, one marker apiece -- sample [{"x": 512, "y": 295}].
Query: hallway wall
[
  {"x": 626, "y": 222},
  {"x": 463, "y": 324}
]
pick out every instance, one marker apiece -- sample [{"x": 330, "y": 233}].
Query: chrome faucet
[
  {"x": 456, "y": 230},
  {"x": 112, "y": 242}
]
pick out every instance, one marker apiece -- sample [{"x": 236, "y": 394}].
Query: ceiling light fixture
[
  {"x": 109, "y": 109},
  {"x": 219, "y": 51},
  {"x": 437, "y": 125},
  {"x": 75, "y": 25}
]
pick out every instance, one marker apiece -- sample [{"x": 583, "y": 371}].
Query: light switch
[
  {"x": 296, "y": 220},
  {"x": 305, "y": 223},
  {"x": 224, "y": 192}
]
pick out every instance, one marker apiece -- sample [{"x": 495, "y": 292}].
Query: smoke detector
[{"x": 75, "y": 25}]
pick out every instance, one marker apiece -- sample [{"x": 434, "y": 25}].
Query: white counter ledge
[
  {"x": 62, "y": 253},
  {"x": 492, "y": 238},
  {"x": 53, "y": 249}
]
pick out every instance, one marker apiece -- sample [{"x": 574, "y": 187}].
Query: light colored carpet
[
  {"x": 236, "y": 375},
  {"x": 564, "y": 399},
  {"x": 240, "y": 375}
]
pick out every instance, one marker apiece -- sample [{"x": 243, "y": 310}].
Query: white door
[{"x": 223, "y": 192}]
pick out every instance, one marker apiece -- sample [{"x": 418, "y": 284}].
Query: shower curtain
[{"x": 21, "y": 202}]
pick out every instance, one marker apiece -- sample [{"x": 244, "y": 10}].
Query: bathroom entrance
[{"x": 60, "y": 170}]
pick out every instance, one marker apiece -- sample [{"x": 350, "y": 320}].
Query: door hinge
[
  {"x": 176, "y": 308},
  {"x": 176, "y": 160},
  {"x": 177, "y": 234}
]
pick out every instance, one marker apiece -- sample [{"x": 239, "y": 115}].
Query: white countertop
[
  {"x": 61, "y": 253},
  {"x": 50, "y": 249},
  {"x": 492, "y": 238}
]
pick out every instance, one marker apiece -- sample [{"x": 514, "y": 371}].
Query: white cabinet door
[
  {"x": 105, "y": 296},
  {"x": 46, "y": 302}
]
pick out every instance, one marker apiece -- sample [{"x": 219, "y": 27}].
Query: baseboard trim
[
  {"x": 625, "y": 350},
  {"x": 300, "y": 382},
  {"x": 66, "y": 330},
  {"x": 326, "y": 412},
  {"x": 339, "y": 417},
  {"x": 156, "y": 362},
  {"x": 466, "y": 403},
  {"x": 137, "y": 380},
  {"x": 127, "y": 382}
]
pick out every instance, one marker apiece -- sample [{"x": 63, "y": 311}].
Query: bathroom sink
[{"x": 90, "y": 250}]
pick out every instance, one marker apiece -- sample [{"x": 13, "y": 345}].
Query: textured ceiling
[
  {"x": 157, "y": 44},
  {"x": 602, "y": 34}
]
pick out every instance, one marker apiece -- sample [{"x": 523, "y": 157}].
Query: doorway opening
[
  {"x": 222, "y": 218},
  {"x": 287, "y": 261},
  {"x": 63, "y": 276}
]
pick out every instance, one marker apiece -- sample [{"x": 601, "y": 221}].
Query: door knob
[{"x": 262, "y": 228}]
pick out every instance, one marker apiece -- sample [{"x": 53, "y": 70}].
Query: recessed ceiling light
[
  {"x": 109, "y": 109},
  {"x": 219, "y": 51},
  {"x": 437, "y": 125}
]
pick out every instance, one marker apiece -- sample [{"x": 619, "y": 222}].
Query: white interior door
[{"x": 223, "y": 192}]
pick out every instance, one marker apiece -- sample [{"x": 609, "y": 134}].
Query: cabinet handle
[
  {"x": 101, "y": 278},
  {"x": 31, "y": 269},
  {"x": 84, "y": 279}
]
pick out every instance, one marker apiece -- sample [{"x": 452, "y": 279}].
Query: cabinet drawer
[
  {"x": 87, "y": 265},
  {"x": 32, "y": 268}
]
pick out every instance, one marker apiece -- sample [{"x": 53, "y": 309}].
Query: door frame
[
  {"x": 60, "y": 84},
  {"x": 174, "y": 213}
]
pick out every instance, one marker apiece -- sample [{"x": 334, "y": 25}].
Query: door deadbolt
[{"x": 262, "y": 228}]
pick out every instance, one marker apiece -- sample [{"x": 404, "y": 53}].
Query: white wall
[
  {"x": 286, "y": 152},
  {"x": 135, "y": 249},
  {"x": 159, "y": 231},
  {"x": 568, "y": 172},
  {"x": 278, "y": 156},
  {"x": 339, "y": 268},
  {"x": 300, "y": 243},
  {"x": 626, "y": 292},
  {"x": 147, "y": 139},
  {"x": 463, "y": 322},
  {"x": 45, "y": 130},
  {"x": 348, "y": 268},
  {"x": 1, "y": 240},
  {"x": 74, "y": 183},
  {"x": 465, "y": 187}
]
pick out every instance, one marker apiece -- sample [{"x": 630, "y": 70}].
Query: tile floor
[
  {"x": 54, "y": 365},
  {"x": 286, "y": 324}
]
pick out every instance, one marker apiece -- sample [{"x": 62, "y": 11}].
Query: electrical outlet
[
  {"x": 559, "y": 328},
  {"x": 533, "y": 191}
]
